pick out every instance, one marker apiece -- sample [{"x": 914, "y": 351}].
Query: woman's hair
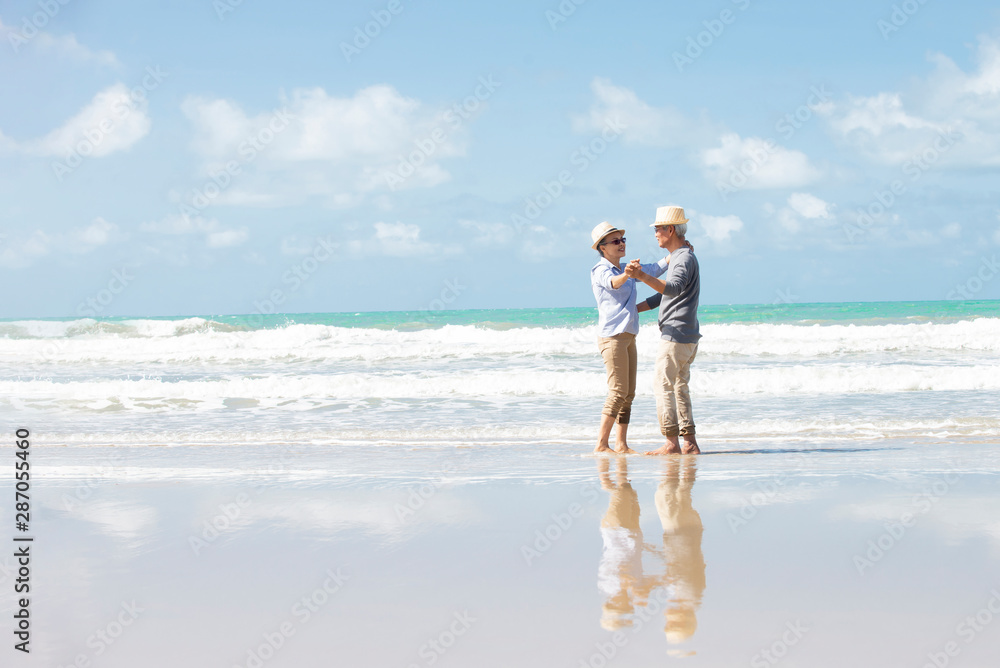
[{"x": 602, "y": 243}]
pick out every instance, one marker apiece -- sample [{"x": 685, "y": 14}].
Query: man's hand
[{"x": 634, "y": 270}]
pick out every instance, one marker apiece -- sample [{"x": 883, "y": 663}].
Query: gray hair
[{"x": 681, "y": 230}]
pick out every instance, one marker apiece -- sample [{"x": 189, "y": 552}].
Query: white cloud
[
  {"x": 177, "y": 224},
  {"x": 921, "y": 237},
  {"x": 226, "y": 238},
  {"x": 740, "y": 162},
  {"x": 253, "y": 257},
  {"x": 97, "y": 233},
  {"x": 489, "y": 234},
  {"x": 788, "y": 220},
  {"x": 951, "y": 117},
  {"x": 209, "y": 228},
  {"x": 24, "y": 252},
  {"x": 876, "y": 115},
  {"x": 294, "y": 246},
  {"x": 663, "y": 127},
  {"x": 66, "y": 45},
  {"x": 339, "y": 148},
  {"x": 21, "y": 252},
  {"x": 881, "y": 129},
  {"x": 63, "y": 45},
  {"x": 720, "y": 228},
  {"x": 540, "y": 244},
  {"x": 6, "y": 143},
  {"x": 809, "y": 206},
  {"x": 111, "y": 122},
  {"x": 376, "y": 122},
  {"x": 761, "y": 162},
  {"x": 220, "y": 127},
  {"x": 801, "y": 207},
  {"x": 398, "y": 240}
]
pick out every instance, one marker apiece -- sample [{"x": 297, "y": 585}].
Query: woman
[
  {"x": 617, "y": 326},
  {"x": 620, "y": 577}
]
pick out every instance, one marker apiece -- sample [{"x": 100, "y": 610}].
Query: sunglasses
[{"x": 616, "y": 242}]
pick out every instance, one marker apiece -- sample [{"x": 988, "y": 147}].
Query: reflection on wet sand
[
  {"x": 621, "y": 579},
  {"x": 682, "y": 555}
]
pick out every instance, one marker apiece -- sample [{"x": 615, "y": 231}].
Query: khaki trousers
[
  {"x": 670, "y": 385},
  {"x": 620, "y": 359}
]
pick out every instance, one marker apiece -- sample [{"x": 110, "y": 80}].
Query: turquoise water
[{"x": 858, "y": 313}]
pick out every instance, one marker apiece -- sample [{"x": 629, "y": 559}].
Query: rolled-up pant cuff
[{"x": 621, "y": 418}]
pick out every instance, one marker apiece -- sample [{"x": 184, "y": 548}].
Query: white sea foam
[
  {"x": 196, "y": 381},
  {"x": 318, "y": 389},
  {"x": 196, "y": 340}
]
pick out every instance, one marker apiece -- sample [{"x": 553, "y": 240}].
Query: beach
[
  {"x": 320, "y": 316},
  {"x": 417, "y": 489}
]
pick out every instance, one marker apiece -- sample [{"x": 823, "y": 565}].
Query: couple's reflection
[{"x": 621, "y": 579}]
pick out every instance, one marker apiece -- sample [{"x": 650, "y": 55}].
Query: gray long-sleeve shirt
[{"x": 678, "y": 317}]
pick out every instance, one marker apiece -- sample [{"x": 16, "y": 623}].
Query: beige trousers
[
  {"x": 620, "y": 359},
  {"x": 670, "y": 385}
]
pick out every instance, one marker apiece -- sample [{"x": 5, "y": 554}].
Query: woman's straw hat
[{"x": 601, "y": 231}]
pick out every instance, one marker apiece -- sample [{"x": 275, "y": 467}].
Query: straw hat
[
  {"x": 669, "y": 215},
  {"x": 601, "y": 231}
]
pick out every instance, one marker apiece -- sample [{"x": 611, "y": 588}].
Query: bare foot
[
  {"x": 623, "y": 449},
  {"x": 671, "y": 447},
  {"x": 690, "y": 446},
  {"x": 602, "y": 449}
]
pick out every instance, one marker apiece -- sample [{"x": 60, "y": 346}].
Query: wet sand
[{"x": 805, "y": 554}]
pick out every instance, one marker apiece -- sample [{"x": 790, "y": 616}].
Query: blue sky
[{"x": 208, "y": 158}]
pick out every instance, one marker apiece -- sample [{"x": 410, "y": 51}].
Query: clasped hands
[{"x": 634, "y": 268}]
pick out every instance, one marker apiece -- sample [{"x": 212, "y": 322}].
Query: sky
[{"x": 237, "y": 156}]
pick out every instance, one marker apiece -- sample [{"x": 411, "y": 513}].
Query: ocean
[{"x": 765, "y": 374}]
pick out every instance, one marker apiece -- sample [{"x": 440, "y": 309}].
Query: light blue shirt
[{"x": 616, "y": 309}]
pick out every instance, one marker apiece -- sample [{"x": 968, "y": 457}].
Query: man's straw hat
[
  {"x": 601, "y": 231},
  {"x": 669, "y": 215}
]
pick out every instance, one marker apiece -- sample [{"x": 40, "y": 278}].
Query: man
[{"x": 679, "y": 332}]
